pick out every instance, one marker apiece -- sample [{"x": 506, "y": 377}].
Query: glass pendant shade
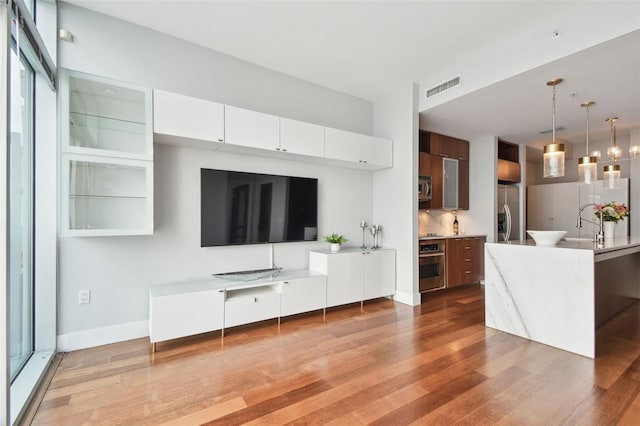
[
  {"x": 614, "y": 152},
  {"x": 634, "y": 151},
  {"x": 587, "y": 169},
  {"x": 553, "y": 160},
  {"x": 612, "y": 176}
]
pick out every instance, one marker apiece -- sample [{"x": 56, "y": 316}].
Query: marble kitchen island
[{"x": 559, "y": 295}]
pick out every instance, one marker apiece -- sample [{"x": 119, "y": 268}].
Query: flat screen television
[{"x": 252, "y": 208}]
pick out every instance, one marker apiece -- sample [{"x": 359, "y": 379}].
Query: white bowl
[{"x": 547, "y": 238}]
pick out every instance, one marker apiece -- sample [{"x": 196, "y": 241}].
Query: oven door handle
[{"x": 431, "y": 255}]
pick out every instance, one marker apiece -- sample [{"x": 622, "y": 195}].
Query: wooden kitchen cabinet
[
  {"x": 464, "y": 261},
  {"x": 444, "y": 146},
  {"x": 424, "y": 164}
]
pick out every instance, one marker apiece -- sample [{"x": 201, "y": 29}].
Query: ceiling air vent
[
  {"x": 544, "y": 132},
  {"x": 443, "y": 87}
]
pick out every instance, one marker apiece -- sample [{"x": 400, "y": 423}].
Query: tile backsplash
[{"x": 438, "y": 222}]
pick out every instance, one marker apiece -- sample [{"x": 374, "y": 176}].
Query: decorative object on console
[
  {"x": 553, "y": 157},
  {"x": 546, "y": 238},
  {"x": 336, "y": 240},
  {"x": 587, "y": 165},
  {"x": 249, "y": 275},
  {"x": 363, "y": 226},
  {"x": 456, "y": 225},
  {"x": 375, "y": 232}
]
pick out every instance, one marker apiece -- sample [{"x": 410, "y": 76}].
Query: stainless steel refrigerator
[{"x": 508, "y": 213}]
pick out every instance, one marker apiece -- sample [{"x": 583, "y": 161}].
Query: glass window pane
[{"x": 20, "y": 214}]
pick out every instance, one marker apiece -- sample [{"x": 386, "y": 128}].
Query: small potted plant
[{"x": 335, "y": 240}]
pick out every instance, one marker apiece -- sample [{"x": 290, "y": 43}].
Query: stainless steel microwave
[{"x": 424, "y": 188}]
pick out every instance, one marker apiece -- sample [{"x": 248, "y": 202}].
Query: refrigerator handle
[{"x": 507, "y": 233}]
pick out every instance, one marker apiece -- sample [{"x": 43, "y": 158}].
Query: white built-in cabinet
[
  {"x": 106, "y": 140},
  {"x": 356, "y": 148},
  {"x": 298, "y": 137},
  {"x": 251, "y": 129},
  {"x": 355, "y": 275},
  {"x": 177, "y": 116},
  {"x": 179, "y": 119},
  {"x": 183, "y": 309}
]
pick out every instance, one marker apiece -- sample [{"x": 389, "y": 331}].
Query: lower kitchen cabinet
[
  {"x": 355, "y": 275},
  {"x": 464, "y": 261}
]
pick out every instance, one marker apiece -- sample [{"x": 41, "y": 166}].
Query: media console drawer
[{"x": 251, "y": 305}]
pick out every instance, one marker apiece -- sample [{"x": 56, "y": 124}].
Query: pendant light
[
  {"x": 587, "y": 165},
  {"x": 612, "y": 170},
  {"x": 553, "y": 157}
]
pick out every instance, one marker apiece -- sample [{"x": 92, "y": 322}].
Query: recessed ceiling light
[{"x": 555, "y": 34}]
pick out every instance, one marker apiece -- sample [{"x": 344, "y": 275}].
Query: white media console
[{"x": 335, "y": 278}]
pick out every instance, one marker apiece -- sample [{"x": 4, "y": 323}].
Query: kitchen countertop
[
  {"x": 444, "y": 237},
  {"x": 620, "y": 243}
]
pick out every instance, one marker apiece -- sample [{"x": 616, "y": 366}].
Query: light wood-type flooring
[{"x": 392, "y": 364}]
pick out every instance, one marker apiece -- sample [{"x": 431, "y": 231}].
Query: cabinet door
[
  {"x": 424, "y": 164},
  {"x": 450, "y": 184},
  {"x": 105, "y": 196},
  {"x": 437, "y": 176},
  {"x": 303, "y": 295},
  {"x": 185, "y": 314},
  {"x": 251, "y": 129},
  {"x": 379, "y": 274},
  {"x": 565, "y": 205},
  {"x": 463, "y": 185},
  {"x": 378, "y": 152},
  {"x": 186, "y": 117},
  {"x": 454, "y": 255},
  {"x": 298, "y": 137},
  {"x": 100, "y": 116},
  {"x": 539, "y": 208},
  {"x": 345, "y": 278},
  {"x": 342, "y": 145}
]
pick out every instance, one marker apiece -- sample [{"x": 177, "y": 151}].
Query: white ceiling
[{"x": 366, "y": 48}]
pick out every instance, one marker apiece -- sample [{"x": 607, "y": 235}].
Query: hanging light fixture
[
  {"x": 587, "y": 165},
  {"x": 612, "y": 170},
  {"x": 553, "y": 157}
]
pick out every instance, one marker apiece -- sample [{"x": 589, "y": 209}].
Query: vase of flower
[
  {"x": 611, "y": 214},
  {"x": 609, "y": 229}
]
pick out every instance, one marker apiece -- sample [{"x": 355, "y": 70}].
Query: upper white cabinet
[
  {"x": 370, "y": 152},
  {"x": 298, "y": 137},
  {"x": 104, "y": 117},
  {"x": 251, "y": 129},
  {"x": 106, "y": 184},
  {"x": 177, "y": 116}
]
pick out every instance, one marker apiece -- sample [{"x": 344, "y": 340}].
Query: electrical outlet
[{"x": 84, "y": 296}]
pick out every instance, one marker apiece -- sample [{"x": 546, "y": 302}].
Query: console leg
[
  {"x": 362, "y": 306},
  {"x": 324, "y": 314},
  {"x": 153, "y": 348}
]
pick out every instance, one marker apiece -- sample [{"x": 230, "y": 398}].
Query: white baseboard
[
  {"x": 102, "y": 336},
  {"x": 411, "y": 299}
]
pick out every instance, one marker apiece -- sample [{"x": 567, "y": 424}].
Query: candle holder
[
  {"x": 375, "y": 232},
  {"x": 363, "y": 226}
]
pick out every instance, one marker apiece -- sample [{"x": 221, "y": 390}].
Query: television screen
[{"x": 252, "y": 208}]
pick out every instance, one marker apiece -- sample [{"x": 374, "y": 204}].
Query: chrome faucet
[{"x": 599, "y": 237}]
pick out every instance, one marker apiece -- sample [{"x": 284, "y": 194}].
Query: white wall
[
  {"x": 395, "y": 201},
  {"x": 119, "y": 270}
]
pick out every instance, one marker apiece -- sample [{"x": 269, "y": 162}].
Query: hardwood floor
[{"x": 390, "y": 365}]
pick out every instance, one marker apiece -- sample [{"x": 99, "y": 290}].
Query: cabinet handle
[
  {"x": 277, "y": 149},
  {"x": 283, "y": 149},
  {"x": 467, "y": 272},
  {"x": 467, "y": 260},
  {"x": 220, "y": 140},
  {"x": 467, "y": 248},
  {"x": 285, "y": 282},
  {"x": 255, "y": 300},
  {"x": 365, "y": 161}
]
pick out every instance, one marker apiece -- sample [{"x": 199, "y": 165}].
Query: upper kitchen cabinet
[
  {"x": 508, "y": 162},
  {"x": 372, "y": 153},
  {"x": 178, "y": 118},
  {"x": 298, "y": 137},
  {"x": 104, "y": 117},
  {"x": 251, "y": 129},
  {"x": 445, "y": 159},
  {"x": 444, "y": 146}
]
